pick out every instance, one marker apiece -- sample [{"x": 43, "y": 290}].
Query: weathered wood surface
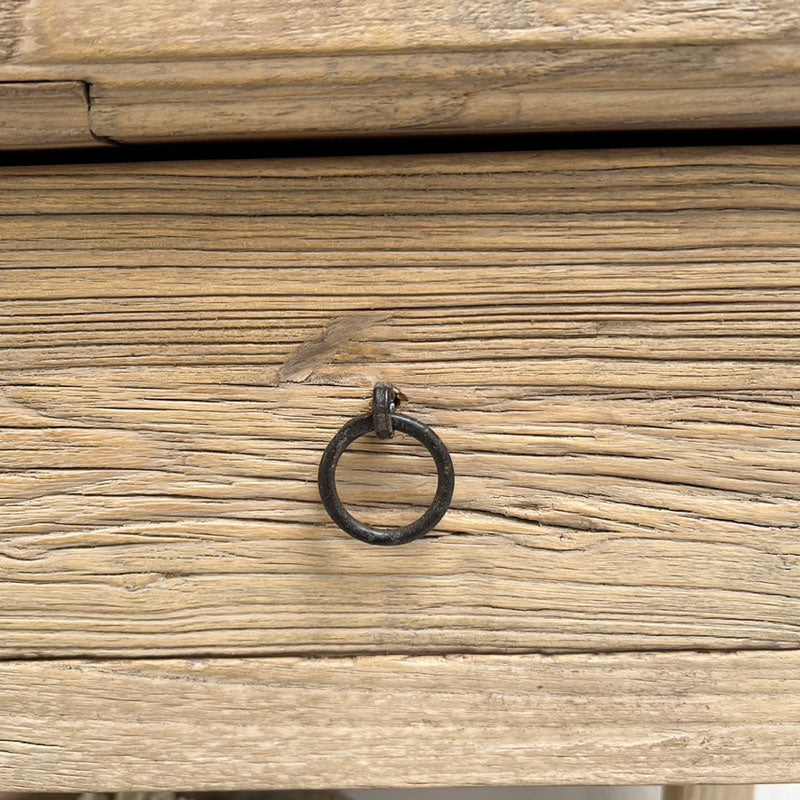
[
  {"x": 46, "y": 114},
  {"x": 189, "y": 69},
  {"x": 607, "y": 342},
  {"x": 394, "y": 721}
]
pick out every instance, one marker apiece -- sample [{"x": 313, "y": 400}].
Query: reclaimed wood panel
[
  {"x": 607, "y": 342},
  {"x": 393, "y": 721},
  {"x": 54, "y": 114},
  {"x": 170, "y": 70}
]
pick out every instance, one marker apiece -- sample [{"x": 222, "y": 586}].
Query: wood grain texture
[
  {"x": 187, "y": 69},
  {"x": 607, "y": 342},
  {"x": 389, "y": 721},
  {"x": 52, "y": 114}
]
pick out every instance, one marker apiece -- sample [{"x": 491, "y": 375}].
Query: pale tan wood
[
  {"x": 204, "y": 69},
  {"x": 89, "y": 30},
  {"x": 393, "y": 721},
  {"x": 709, "y": 793},
  {"x": 607, "y": 342},
  {"x": 54, "y": 114}
]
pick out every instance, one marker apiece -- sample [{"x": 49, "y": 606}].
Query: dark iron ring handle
[{"x": 384, "y": 421}]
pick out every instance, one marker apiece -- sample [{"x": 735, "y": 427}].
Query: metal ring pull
[{"x": 385, "y": 420}]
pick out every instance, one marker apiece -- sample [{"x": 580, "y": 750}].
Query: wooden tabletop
[{"x": 90, "y": 71}]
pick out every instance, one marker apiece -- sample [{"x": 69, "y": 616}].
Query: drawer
[{"x": 607, "y": 343}]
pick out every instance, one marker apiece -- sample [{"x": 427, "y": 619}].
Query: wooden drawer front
[{"x": 607, "y": 342}]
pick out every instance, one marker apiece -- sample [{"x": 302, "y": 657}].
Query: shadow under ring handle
[{"x": 360, "y": 426}]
